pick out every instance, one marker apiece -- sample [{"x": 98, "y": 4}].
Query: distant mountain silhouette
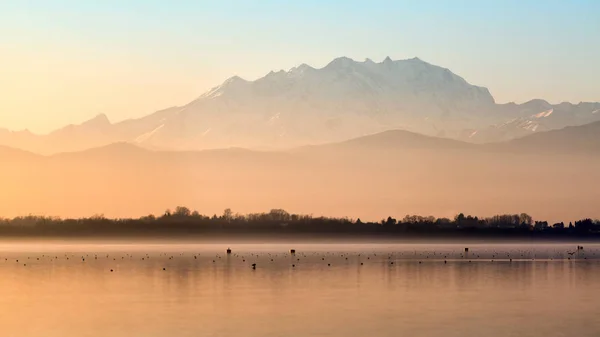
[
  {"x": 533, "y": 117},
  {"x": 402, "y": 140},
  {"x": 305, "y": 105},
  {"x": 584, "y": 139},
  {"x": 96, "y": 132},
  {"x": 393, "y": 172},
  {"x": 572, "y": 139},
  {"x": 11, "y": 154},
  {"x": 111, "y": 151}
]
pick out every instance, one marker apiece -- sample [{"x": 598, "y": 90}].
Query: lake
[{"x": 182, "y": 289}]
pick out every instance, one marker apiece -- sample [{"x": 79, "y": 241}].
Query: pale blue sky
[{"x": 66, "y": 61}]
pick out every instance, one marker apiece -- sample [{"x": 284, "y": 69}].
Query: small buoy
[
  {"x": 329, "y": 264},
  {"x": 293, "y": 265},
  {"x": 164, "y": 268},
  {"x": 111, "y": 270}
]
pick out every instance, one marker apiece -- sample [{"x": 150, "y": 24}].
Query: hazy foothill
[
  {"x": 264, "y": 168},
  {"x": 352, "y": 139}
]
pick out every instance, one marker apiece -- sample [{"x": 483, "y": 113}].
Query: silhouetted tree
[
  {"x": 584, "y": 226},
  {"x": 525, "y": 219},
  {"x": 227, "y": 214},
  {"x": 279, "y": 215},
  {"x": 183, "y": 221},
  {"x": 540, "y": 225},
  {"x": 182, "y": 212}
]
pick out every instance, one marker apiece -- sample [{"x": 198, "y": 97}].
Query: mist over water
[
  {"x": 175, "y": 289},
  {"x": 300, "y": 168}
]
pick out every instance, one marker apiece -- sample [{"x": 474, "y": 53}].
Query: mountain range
[
  {"x": 343, "y": 100},
  {"x": 550, "y": 175}
]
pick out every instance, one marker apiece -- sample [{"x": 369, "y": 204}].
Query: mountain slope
[
  {"x": 584, "y": 139},
  {"x": 391, "y": 141},
  {"x": 339, "y": 101},
  {"x": 391, "y": 173},
  {"x": 533, "y": 117},
  {"x": 8, "y": 154},
  {"x": 305, "y": 105}
]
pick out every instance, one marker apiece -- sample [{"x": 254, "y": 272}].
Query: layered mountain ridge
[
  {"x": 548, "y": 174},
  {"x": 305, "y": 105}
]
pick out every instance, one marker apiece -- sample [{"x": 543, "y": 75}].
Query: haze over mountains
[
  {"x": 343, "y": 100},
  {"x": 551, "y": 175},
  {"x": 356, "y": 139}
]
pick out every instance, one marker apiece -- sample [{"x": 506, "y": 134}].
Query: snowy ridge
[
  {"x": 543, "y": 114},
  {"x": 306, "y": 105}
]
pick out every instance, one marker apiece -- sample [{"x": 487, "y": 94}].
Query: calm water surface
[{"x": 323, "y": 290}]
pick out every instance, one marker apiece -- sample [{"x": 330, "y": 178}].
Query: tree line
[{"x": 184, "y": 222}]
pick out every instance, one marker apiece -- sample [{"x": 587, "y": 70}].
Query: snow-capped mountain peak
[
  {"x": 314, "y": 105},
  {"x": 308, "y": 105}
]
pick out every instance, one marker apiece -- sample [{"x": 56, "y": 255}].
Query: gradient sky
[{"x": 66, "y": 61}]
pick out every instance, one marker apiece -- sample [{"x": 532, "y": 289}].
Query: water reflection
[{"x": 332, "y": 290}]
